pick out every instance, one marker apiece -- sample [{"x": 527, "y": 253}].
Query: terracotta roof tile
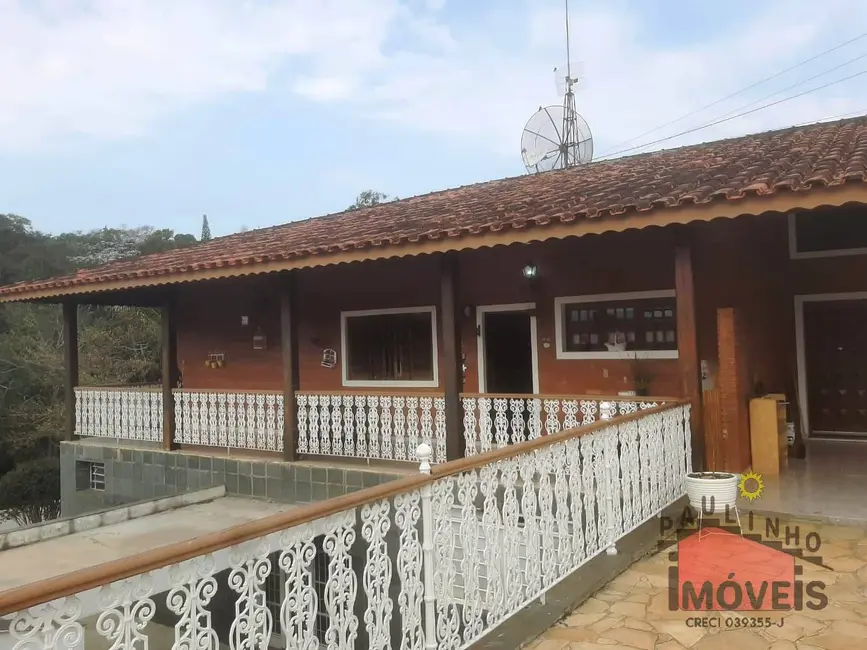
[{"x": 792, "y": 159}]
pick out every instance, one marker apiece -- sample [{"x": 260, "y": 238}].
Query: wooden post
[
  {"x": 289, "y": 351},
  {"x": 70, "y": 366},
  {"x": 169, "y": 341},
  {"x": 451, "y": 357},
  {"x": 687, "y": 348}
]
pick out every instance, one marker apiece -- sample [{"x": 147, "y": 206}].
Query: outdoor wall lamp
[{"x": 530, "y": 271}]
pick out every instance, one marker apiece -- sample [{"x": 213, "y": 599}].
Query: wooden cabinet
[{"x": 768, "y": 434}]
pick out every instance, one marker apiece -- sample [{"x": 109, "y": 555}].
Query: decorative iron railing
[
  {"x": 128, "y": 413},
  {"x": 373, "y": 425},
  {"x": 496, "y": 420},
  {"x": 435, "y": 560}
]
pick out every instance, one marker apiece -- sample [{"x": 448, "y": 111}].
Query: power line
[
  {"x": 862, "y": 111},
  {"x": 740, "y": 92},
  {"x": 794, "y": 85},
  {"x": 727, "y": 119}
]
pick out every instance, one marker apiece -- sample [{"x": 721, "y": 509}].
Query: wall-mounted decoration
[
  {"x": 546, "y": 342},
  {"x": 260, "y": 341},
  {"x": 216, "y": 360},
  {"x": 329, "y": 358},
  {"x": 245, "y": 320}
]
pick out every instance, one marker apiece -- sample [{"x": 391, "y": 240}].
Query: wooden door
[{"x": 835, "y": 347}]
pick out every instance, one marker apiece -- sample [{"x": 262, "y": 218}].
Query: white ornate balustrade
[
  {"x": 237, "y": 420},
  {"x": 129, "y": 413},
  {"x": 388, "y": 427},
  {"x": 493, "y": 421},
  {"x": 435, "y": 563}
]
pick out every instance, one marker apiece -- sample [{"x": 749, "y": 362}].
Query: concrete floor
[
  {"x": 632, "y": 611},
  {"x": 830, "y": 484}
]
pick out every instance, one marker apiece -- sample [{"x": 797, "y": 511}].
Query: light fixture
[{"x": 530, "y": 271}]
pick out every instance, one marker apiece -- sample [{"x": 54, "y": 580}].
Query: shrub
[{"x": 30, "y": 493}]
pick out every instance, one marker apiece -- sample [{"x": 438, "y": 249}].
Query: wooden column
[
  {"x": 687, "y": 348},
  {"x": 450, "y": 357},
  {"x": 70, "y": 366},
  {"x": 289, "y": 351},
  {"x": 169, "y": 342}
]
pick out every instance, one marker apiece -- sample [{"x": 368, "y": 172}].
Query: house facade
[{"x": 491, "y": 314}]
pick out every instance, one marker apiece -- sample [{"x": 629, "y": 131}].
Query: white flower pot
[{"x": 712, "y": 495}]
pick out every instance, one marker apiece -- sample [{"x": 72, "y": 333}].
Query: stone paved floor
[{"x": 632, "y": 611}]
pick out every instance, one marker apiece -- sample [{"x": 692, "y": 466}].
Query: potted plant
[
  {"x": 642, "y": 376},
  {"x": 712, "y": 492}
]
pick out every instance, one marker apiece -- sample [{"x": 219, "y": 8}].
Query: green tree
[
  {"x": 369, "y": 198},
  {"x": 206, "y": 229},
  {"x": 30, "y": 493}
]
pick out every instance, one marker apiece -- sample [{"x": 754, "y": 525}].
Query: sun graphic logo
[{"x": 751, "y": 485}]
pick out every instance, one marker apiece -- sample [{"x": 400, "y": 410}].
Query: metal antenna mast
[{"x": 570, "y": 126}]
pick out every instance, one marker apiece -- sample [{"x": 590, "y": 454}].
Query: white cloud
[{"x": 111, "y": 68}]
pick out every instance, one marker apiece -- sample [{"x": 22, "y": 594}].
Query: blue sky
[{"x": 153, "y": 112}]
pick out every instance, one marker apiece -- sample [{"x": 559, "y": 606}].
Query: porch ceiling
[{"x": 777, "y": 171}]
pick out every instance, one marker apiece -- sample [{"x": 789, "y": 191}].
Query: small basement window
[
  {"x": 89, "y": 475},
  {"x": 617, "y": 326},
  {"x": 828, "y": 232},
  {"x": 390, "y": 348}
]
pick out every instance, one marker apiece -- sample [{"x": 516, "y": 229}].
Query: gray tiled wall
[{"x": 139, "y": 474}]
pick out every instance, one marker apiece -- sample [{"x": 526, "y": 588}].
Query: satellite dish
[{"x": 556, "y": 137}]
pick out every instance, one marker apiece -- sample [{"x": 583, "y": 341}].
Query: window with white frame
[
  {"x": 395, "y": 347},
  {"x": 613, "y": 326},
  {"x": 828, "y": 232}
]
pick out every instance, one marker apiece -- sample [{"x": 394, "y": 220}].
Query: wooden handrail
[
  {"x": 20, "y": 598},
  {"x": 598, "y": 398}
]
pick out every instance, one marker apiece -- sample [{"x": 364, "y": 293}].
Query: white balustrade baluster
[
  {"x": 570, "y": 414},
  {"x": 561, "y": 502},
  {"x": 373, "y": 431},
  {"x": 511, "y": 554},
  {"x": 341, "y": 585},
  {"x": 400, "y": 449},
  {"x": 470, "y": 405},
  {"x": 361, "y": 426},
  {"x": 492, "y": 533},
  {"x": 613, "y": 491},
  {"x": 119, "y": 431},
  {"x": 50, "y": 626},
  {"x": 376, "y": 578},
  {"x": 250, "y": 567},
  {"x": 687, "y": 437},
  {"x": 473, "y": 603},
  {"x": 261, "y": 431},
  {"x": 529, "y": 510},
  {"x": 301, "y": 405},
  {"x": 426, "y": 408},
  {"x": 409, "y": 565},
  {"x": 589, "y": 494},
  {"x": 439, "y": 455},
  {"x": 385, "y": 426},
  {"x": 501, "y": 422},
  {"x": 193, "y": 587},
  {"x": 655, "y": 461},
  {"x": 313, "y": 422},
  {"x": 444, "y": 574},
  {"x": 600, "y": 477},
  {"x": 412, "y": 427},
  {"x": 279, "y": 425},
  {"x": 626, "y": 433},
  {"x": 625, "y": 407},
  {"x": 486, "y": 433},
  {"x": 135, "y": 431},
  {"x": 204, "y": 418},
  {"x": 213, "y": 430},
  {"x": 552, "y": 416},
  {"x": 534, "y": 407},
  {"x": 325, "y": 424},
  {"x": 576, "y": 502},
  {"x": 300, "y": 602},
  {"x": 222, "y": 421},
  {"x": 101, "y": 413},
  {"x": 518, "y": 408},
  {"x": 241, "y": 415},
  {"x": 336, "y": 425},
  {"x": 546, "y": 516},
  {"x": 127, "y": 608},
  {"x": 195, "y": 422},
  {"x": 348, "y": 425},
  {"x": 232, "y": 423}
]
